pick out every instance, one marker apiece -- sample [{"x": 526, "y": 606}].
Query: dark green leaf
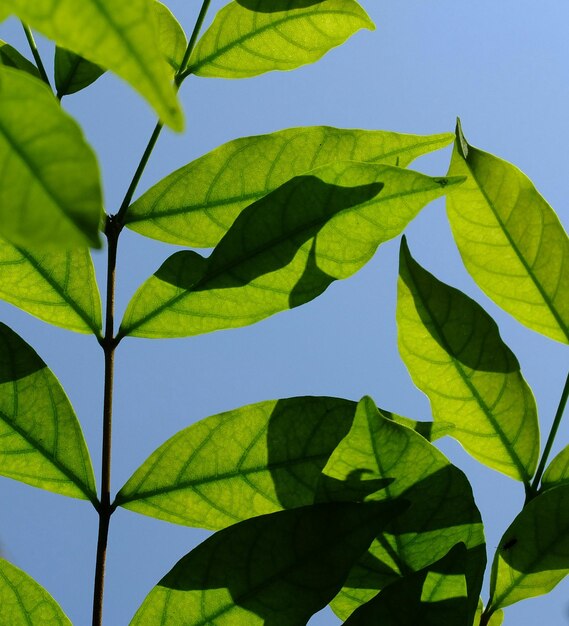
[
  {"x": 10, "y": 57},
  {"x": 73, "y": 73},
  {"x": 455, "y": 355}
]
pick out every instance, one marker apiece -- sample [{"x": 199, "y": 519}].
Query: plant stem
[
  {"x": 182, "y": 73},
  {"x": 36, "y": 53}
]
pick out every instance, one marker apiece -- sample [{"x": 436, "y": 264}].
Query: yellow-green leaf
[
  {"x": 557, "y": 473},
  {"x": 10, "y": 57},
  {"x": 196, "y": 205},
  {"x": 455, "y": 355},
  {"x": 242, "y": 42},
  {"x": 171, "y": 37},
  {"x": 511, "y": 240}
]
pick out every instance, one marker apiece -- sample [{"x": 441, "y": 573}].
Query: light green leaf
[
  {"x": 283, "y": 250},
  {"x": 10, "y": 57},
  {"x": 557, "y": 473},
  {"x": 41, "y": 442},
  {"x": 171, "y": 37},
  {"x": 242, "y": 42},
  {"x": 50, "y": 192},
  {"x": 73, "y": 72},
  {"x": 495, "y": 620},
  {"x": 455, "y": 355},
  {"x": 431, "y": 431},
  {"x": 384, "y": 460},
  {"x": 274, "y": 569},
  {"x": 533, "y": 555},
  {"x": 25, "y": 603},
  {"x": 196, "y": 205},
  {"x": 58, "y": 287},
  {"x": 510, "y": 240},
  {"x": 254, "y": 460},
  {"x": 119, "y": 36}
]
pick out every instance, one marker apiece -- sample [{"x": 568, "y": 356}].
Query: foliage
[{"x": 313, "y": 500}]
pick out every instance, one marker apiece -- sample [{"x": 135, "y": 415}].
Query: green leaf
[
  {"x": 41, "y": 442},
  {"x": 495, "y": 620},
  {"x": 25, "y": 603},
  {"x": 171, "y": 37},
  {"x": 431, "y": 431},
  {"x": 50, "y": 192},
  {"x": 455, "y": 355},
  {"x": 433, "y": 596},
  {"x": 283, "y": 250},
  {"x": 10, "y": 57},
  {"x": 73, "y": 72},
  {"x": 274, "y": 569},
  {"x": 257, "y": 459},
  {"x": 196, "y": 205},
  {"x": 533, "y": 555},
  {"x": 119, "y": 36},
  {"x": 58, "y": 287},
  {"x": 557, "y": 472},
  {"x": 384, "y": 460},
  {"x": 242, "y": 42},
  {"x": 510, "y": 240}
]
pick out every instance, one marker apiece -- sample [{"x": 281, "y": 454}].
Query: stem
[
  {"x": 36, "y": 53},
  {"x": 182, "y": 73}
]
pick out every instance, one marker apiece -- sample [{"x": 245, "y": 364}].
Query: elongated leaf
[
  {"x": 10, "y": 57},
  {"x": 73, "y": 72},
  {"x": 58, "y": 287},
  {"x": 119, "y": 36},
  {"x": 557, "y": 473},
  {"x": 455, "y": 355},
  {"x": 434, "y": 596},
  {"x": 388, "y": 461},
  {"x": 510, "y": 240},
  {"x": 274, "y": 569},
  {"x": 533, "y": 555},
  {"x": 242, "y": 42},
  {"x": 257, "y": 459},
  {"x": 50, "y": 192},
  {"x": 25, "y": 603},
  {"x": 197, "y": 204},
  {"x": 282, "y": 251},
  {"x": 41, "y": 442},
  {"x": 171, "y": 37}
]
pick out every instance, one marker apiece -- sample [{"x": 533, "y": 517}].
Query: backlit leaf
[
  {"x": 196, "y": 205},
  {"x": 50, "y": 194},
  {"x": 41, "y": 442},
  {"x": 58, "y": 287},
  {"x": 510, "y": 240},
  {"x": 73, "y": 72},
  {"x": 243, "y": 42},
  {"x": 119, "y": 36},
  {"x": 254, "y": 460},
  {"x": 274, "y": 569},
  {"x": 10, "y": 57},
  {"x": 23, "y": 602},
  {"x": 455, "y": 355},
  {"x": 171, "y": 37},
  {"x": 282, "y": 251},
  {"x": 533, "y": 555},
  {"x": 557, "y": 473}
]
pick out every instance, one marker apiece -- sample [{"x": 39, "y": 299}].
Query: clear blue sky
[{"x": 504, "y": 68}]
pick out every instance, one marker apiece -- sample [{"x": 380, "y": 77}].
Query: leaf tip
[{"x": 461, "y": 143}]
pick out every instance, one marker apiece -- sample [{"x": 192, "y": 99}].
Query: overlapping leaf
[
  {"x": 50, "y": 192},
  {"x": 10, "y": 57},
  {"x": 496, "y": 618},
  {"x": 274, "y": 569},
  {"x": 510, "y": 240},
  {"x": 171, "y": 37},
  {"x": 533, "y": 555},
  {"x": 384, "y": 460},
  {"x": 119, "y": 36},
  {"x": 254, "y": 460},
  {"x": 73, "y": 72},
  {"x": 557, "y": 473},
  {"x": 283, "y": 250},
  {"x": 197, "y": 204},
  {"x": 23, "y": 602},
  {"x": 455, "y": 355},
  {"x": 244, "y": 42},
  {"x": 58, "y": 287},
  {"x": 41, "y": 442}
]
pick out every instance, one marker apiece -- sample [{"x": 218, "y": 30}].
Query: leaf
[
  {"x": 388, "y": 461},
  {"x": 119, "y": 36},
  {"x": 41, "y": 442},
  {"x": 510, "y": 240},
  {"x": 533, "y": 555},
  {"x": 495, "y": 620},
  {"x": 10, "y": 57},
  {"x": 433, "y": 596},
  {"x": 25, "y": 603},
  {"x": 431, "y": 431},
  {"x": 196, "y": 205},
  {"x": 242, "y": 42},
  {"x": 254, "y": 460},
  {"x": 557, "y": 473},
  {"x": 455, "y": 355},
  {"x": 58, "y": 287},
  {"x": 73, "y": 73},
  {"x": 50, "y": 192},
  {"x": 274, "y": 569},
  {"x": 282, "y": 251},
  {"x": 171, "y": 37}
]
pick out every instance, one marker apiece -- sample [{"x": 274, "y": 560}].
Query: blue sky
[{"x": 503, "y": 67}]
